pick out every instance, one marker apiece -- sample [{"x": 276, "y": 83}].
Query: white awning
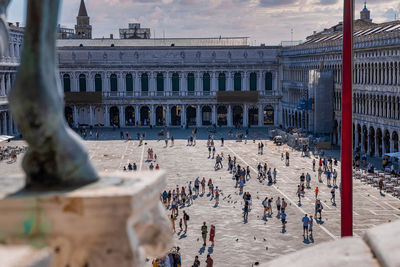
[{"x": 393, "y": 155}]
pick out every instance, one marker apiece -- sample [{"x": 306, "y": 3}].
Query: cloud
[
  {"x": 390, "y": 14},
  {"x": 264, "y": 21},
  {"x": 327, "y": 2},
  {"x": 274, "y": 3}
]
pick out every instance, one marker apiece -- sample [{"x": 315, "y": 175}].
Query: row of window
[{"x": 237, "y": 82}]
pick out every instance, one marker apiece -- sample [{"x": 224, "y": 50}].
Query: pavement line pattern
[
  {"x": 283, "y": 194},
  {"x": 141, "y": 159}
]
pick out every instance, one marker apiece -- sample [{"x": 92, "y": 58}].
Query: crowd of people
[{"x": 11, "y": 152}]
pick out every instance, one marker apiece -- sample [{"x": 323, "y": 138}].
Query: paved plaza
[{"x": 237, "y": 243}]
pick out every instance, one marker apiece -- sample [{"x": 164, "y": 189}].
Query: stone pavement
[{"x": 238, "y": 243}]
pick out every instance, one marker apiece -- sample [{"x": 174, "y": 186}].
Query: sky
[{"x": 264, "y": 21}]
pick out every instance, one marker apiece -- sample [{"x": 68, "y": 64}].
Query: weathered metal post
[
  {"x": 347, "y": 122},
  {"x": 56, "y": 156}
]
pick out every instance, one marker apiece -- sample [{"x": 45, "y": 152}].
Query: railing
[
  {"x": 159, "y": 94},
  {"x": 144, "y": 94}
]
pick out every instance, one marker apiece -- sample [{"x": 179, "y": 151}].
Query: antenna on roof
[{"x": 291, "y": 35}]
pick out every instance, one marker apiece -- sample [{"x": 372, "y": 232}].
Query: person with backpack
[{"x": 186, "y": 218}]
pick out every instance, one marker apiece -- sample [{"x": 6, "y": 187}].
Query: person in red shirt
[
  {"x": 209, "y": 261},
  {"x": 212, "y": 234}
]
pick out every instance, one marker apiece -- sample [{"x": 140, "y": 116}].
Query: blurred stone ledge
[
  {"x": 380, "y": 246},
  {"x": 24, "y": 256},
  {"x": 117, "y": 220}
]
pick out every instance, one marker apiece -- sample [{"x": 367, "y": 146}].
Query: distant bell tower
[
  {"x": 365, "y": 14},
  {"x": 83, "y": 29}
]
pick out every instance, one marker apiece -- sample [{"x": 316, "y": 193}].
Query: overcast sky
[{"x": 264, "y": 21}]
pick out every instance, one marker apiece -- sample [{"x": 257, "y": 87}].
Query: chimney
[
  {"x": 17, "y": 24},
  {"x": 111, "y": 36}
]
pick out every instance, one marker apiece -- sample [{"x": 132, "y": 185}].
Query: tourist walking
[
  {"x": 209, "y": 261},
  {"x": 173, "y": 222},
  {"x": 204, "y": 233},
  {"x": 278, "y": 205},
  {"x": 333, "y": 195},
  {"x": 196, "y": 262},
  {"x": 212, "y": 234},
  {"x": 185, "y": 219},
  {"x": 305, "y": 221}
]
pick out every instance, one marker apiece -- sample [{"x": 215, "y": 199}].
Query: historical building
[
  {"x": 173, "y": 82},
  {"x": 83, "y": 29},
  {"x": 8, "y": 68},
  {"x": 65, "y": 33},
  {"x": 134, "y": 31},
  {"x": 376, "y": 88}
]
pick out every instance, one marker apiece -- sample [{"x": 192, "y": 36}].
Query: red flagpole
[{"x": 347, "y": 121}]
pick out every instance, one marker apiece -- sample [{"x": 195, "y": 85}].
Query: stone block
[
  {"x": 24, "y": 256},
  {"x": 385, "y": 244},
  {"x": 117, "y": 219},
  {"x": 346, "y": 252}
]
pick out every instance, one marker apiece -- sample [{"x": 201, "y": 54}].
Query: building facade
[
  {"x": 376, "y": 82},
  {"x": 8, "y": 68},
  {"x": 198, "y": 84}
]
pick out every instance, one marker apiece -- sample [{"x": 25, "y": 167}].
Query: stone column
[
  {"x": 230, "y": 119},
  {"x": 152, "y": 115},
  {"x": 376, "y": 144},
  {"x": 4, "y": 131},
  {"x": 3, "y": 85},
  {"x": 105, "y": 77},
  {"x": 391, "y": 143},
  {"x": 91, "y": 115},
  {"x": 168, "y": 115},
  {"x": 259, "y": 80},
  {"x": 137, "y": 82},
  {"x": 10, "y": 124},
  {"x": 229, "y": 81},
  {"x": 137, "y": 115},
  {"x": 90, "y": 82},
  {"x": 245, "y": 81},
  {"x": 183, "y": 82},
  {"x": 121, "y": 82},
  {"x": 11, "y": 51},
  {"x": 198, "y": 116},
  {"x": 275, "y": 81},
  {"x": 76, "y": 117},
  {"x": 260, "y": 115},
  {"x": 355, "y": 136},
  {"x": 245, "y": 115},
  {"x": 214, "y": 114},
  {"x": 398, "y": 73},
  {"x": 390, "y": 75},
  {"x": 107, "y": 115},
  {"x": 214, "y": 83},
  {"x": 276, "y": 120},
  {"x": 8, "y": 85},
  {"x": 153, "y": 82},
  {"x": 121, "y": 116},
  {"x": 183, "y": 116},
  {"x": 197, "y": 83}
]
